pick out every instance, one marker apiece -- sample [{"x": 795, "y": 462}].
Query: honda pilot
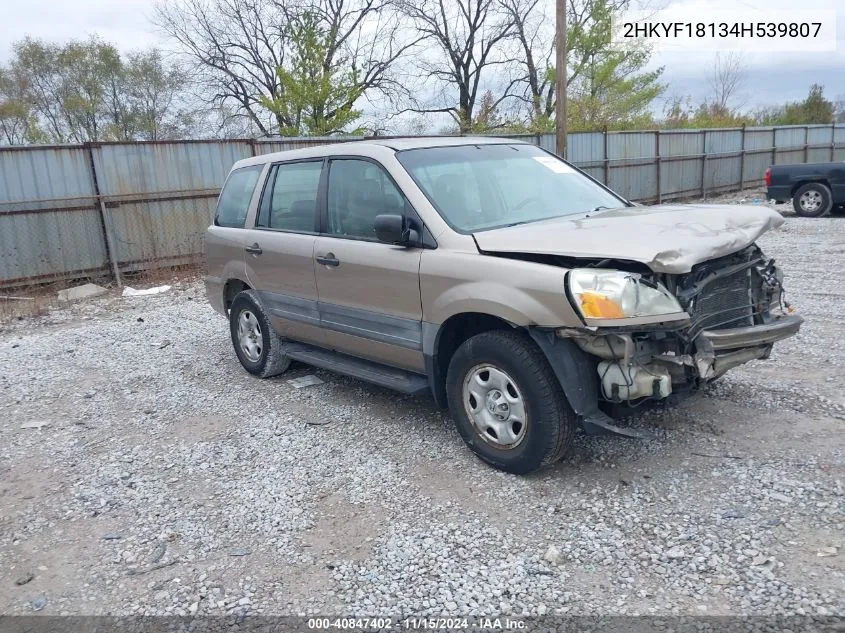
[{"x": 518, "y": 291}]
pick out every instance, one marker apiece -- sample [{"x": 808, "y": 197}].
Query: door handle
[
  {"x": 328, "y": 260},
  {"x": 255, "y": 249}
]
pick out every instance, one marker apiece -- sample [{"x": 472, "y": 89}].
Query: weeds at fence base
[
  {"x": 160, "y": 276},
  {"x": 12, "y": 309},
  {"x": 38, "y": 299}
]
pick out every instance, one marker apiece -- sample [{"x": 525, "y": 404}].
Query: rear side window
[
  {"x": 236, "y": 195},
  {"x": 289, "y": 202}
]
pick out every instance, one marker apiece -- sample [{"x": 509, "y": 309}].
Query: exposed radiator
[{"x": 724, "y": 303}]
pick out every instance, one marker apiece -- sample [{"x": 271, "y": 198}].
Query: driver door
[{"x": 368, "y": 291}]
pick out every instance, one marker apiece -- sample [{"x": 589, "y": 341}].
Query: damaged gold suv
[{"x": 518, "y": 291}]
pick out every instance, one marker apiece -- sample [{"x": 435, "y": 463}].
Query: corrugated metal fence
[{"x": 78, "y": 210}]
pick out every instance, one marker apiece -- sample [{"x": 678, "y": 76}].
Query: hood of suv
[{"x": 668, "y": 238}]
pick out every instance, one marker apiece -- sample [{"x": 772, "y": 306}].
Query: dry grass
[
  {"x": 36, "y": 300},
  {"x": 163, "y": 275},
  {"x": 19, "y": 307}
]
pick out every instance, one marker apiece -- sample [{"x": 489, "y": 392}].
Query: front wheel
[
  {"x": 256, "y": 344},
  {"x": 507, "y": 403},
  {"x": 812, "y": 200}
]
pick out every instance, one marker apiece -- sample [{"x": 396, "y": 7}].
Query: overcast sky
[{"x": 772, "y": 77}]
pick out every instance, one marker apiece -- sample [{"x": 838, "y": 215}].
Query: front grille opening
[{"x": 724, "y": 303}]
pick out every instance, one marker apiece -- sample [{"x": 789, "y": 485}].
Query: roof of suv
[
  {"x": 418, "y": 142},
  {"x": 396, "y": 143}
]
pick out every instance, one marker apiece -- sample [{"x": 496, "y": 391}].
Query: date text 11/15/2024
[{"x": 419, "y": 623}]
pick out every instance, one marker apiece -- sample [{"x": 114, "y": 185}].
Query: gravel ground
[{"x": 154, "y": 476}]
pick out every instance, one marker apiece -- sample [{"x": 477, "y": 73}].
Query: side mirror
[{"x": 391, "y": 228}]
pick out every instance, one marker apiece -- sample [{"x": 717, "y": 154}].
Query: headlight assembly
[{"x": 603, "y": 295}]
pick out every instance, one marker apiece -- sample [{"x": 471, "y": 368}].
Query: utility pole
[{"x": 560, "y": 77}]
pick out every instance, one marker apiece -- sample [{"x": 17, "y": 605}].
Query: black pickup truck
[{"x": 815, "y": 188}]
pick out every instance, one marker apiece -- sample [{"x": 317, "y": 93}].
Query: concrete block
[{"x": 85, "y": 291}]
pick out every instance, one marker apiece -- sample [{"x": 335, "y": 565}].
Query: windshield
[{"x": 479, "y": 187}]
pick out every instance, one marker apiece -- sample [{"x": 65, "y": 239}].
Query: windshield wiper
[{"x": 551, "y": 217}]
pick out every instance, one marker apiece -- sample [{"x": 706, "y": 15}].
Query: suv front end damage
[
  {"x": 737, "y": 311},
  {"x": 734, "y": 311}
]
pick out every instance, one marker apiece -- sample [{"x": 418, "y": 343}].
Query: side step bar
[{"x": 382, "y": 375}]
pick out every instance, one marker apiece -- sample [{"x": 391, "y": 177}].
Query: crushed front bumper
[
  {"x": 718, "y": 351},
  {"x": 736, "y": 313},
  {"x": 627, "y": 367},
  {"x": 637, "y": 365},
  {"x": 754, "y": 335}
]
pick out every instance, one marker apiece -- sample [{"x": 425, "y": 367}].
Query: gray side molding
[{"x": 393, "y": 330}]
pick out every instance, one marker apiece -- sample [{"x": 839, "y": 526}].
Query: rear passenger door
[
  {"x": 279, "y": 248},
  {"x": 225, "y": 238},
  {"x": 369, "y": 291}
]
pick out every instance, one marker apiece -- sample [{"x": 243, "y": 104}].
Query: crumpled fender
[{"x": 576, "y": 372}]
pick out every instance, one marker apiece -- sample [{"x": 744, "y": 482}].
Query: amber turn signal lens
[{"x": 598, "y": 306}]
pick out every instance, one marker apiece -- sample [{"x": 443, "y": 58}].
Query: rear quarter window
[{"x": 234, "y": 200}]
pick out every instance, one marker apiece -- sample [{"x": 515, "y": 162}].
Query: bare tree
[
  {"x": 588, "y": 45},
  {"x": 17, "y": 120},
  {"x": 466, "y": 38},
  {"x": 75, "y": 90},
  {"x": 235, "y": 47},
  {"x": 729, "y": 74},
  {"x": 238, "y": 46},
  {"x": 45, "y": 89},
  {"x": 369, "y": 38},
  {"x": 534, "y": 39},
  {"x": 154, "y": 91}
]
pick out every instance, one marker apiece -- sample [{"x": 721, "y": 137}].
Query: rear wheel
[
  {"x": 812, "y": 200},
  {"x": 256, "y": 344},
  {"x": 507, "y": 403}
]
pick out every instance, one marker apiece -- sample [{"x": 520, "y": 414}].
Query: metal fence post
[
  {"x": 742, "y": 159},
  {"x": 774, "y": 145},
  {"x": 606, "y": 159},
  {"x": 806, "y": 141},
  {"x": 704, "y": 166},
  {"x": 832, "y": 142},
  {"x": 251, "y": 143},
  {"x": 657, "y": 164},
  {"x": 111, "y": 252}
]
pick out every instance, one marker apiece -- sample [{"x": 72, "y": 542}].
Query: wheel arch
[
  {"x": 231, "y": 289},
  {"x": 808, "y": 181},
  {"x": 441, "y": 341}
]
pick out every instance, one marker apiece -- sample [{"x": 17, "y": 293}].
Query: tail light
[{"x": 767, "y": 177}]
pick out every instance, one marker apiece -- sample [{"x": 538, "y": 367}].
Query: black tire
[
  {"x": 812, "y": 189},
  {"x": 550, "y": 423},
  {"x": 270, "y": 361}
]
